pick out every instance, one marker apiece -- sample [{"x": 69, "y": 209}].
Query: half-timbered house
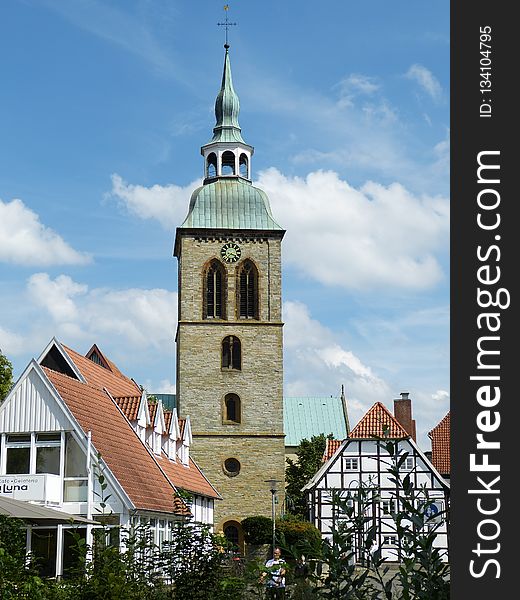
[{"x": 363, "y": 461}]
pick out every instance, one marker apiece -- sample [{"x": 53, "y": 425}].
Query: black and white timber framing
[{"x": 365, "y": 462}]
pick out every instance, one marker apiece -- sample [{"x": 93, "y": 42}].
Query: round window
[{"x": 231, "y": 467}]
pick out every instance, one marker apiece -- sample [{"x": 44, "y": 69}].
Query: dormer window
[
  {"x": 184, "y": 454},
  {"x": 169, "y": 448},
  {"x": 228, "y": 163},
  {"x": 94, "y": 357},
  {"x": 156, "y": 439}
]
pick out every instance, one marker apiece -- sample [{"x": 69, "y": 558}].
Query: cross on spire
[{"x": 226, "y": 24}]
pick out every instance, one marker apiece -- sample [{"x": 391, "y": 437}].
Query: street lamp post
[{"x": 273, "y": 487}]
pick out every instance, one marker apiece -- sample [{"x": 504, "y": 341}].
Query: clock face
[{"x": 230, "y": 252}]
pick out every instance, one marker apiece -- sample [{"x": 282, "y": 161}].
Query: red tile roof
[
  {"x": 121, "y": 449},
  {"x": 188, "y": 478},
  {"x": 129, "y": 405},
  {"x": 168, "y": 419},
  {"x": 152, "y": 409},
  {"x": 99, "y": 377},
  {"x": 330, "y": 448},
  {"x": 182, "y": 425},
  {"x": 374, "y": 424},
  {"x": 440, "y": 437}
]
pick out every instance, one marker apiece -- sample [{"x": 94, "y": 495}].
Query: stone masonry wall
[{"x": 257, "y": 441}]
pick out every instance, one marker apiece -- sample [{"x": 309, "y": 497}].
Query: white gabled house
[
  {"x": 362, "y": 460},
  {"x": 70, "y": 418}
]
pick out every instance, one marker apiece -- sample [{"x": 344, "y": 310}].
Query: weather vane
[{"x": 226, "y": 24}]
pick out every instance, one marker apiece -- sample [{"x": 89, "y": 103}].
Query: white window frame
[
  {"x": 33, "y": 444},
  {"x": 71, "y": 477},
  {"x": 389, "y": 506},
  {"x": 351, "y": 463},
  {"x": 390, "y": 540},
  {"x": 408, "y": 464}
]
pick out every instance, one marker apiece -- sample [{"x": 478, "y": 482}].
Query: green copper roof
[
  {"x": 229, "y": 204},
  {"x": 306, "y": 417},
  {"x": 227, "y": 107},
  {"x": 169, "y": 400}
]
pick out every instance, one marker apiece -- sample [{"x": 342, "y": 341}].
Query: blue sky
[{"x": 104, "y": 107}]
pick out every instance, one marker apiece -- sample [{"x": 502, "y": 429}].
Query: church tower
[{"x": 229, "y": 336}]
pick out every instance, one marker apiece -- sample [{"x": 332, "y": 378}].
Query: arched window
[
  {"x": 214, "y": 291},
  {"x": 231, "y": 533},
  {"x": 234, "y": 534},
  {"x": 243, "y": 166},
  {"x": 232, "y": 409},
  {"x": 248, "y": 291},
  {"x": 228, "y": 163},
  {"x": 231, "y": 353},
  {"x": 211, "y": 165}
]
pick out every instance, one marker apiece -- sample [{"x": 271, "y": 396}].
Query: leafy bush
[
  {"x": 192, "y": 561},
  {"x": 298, "y": 537},
  {"x": 16, "y": 579},
  {"x": 257, "y": 530}
]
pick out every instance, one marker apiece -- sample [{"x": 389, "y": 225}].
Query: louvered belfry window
[
  {"x": 248, "y": 291},
  {"x": 214, "y": 292}
]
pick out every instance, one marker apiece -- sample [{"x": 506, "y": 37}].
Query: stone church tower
[{"x": 229, "y": 336}]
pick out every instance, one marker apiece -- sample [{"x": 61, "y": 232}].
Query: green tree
[
  {"x": 297, "y": 536},
  {"x": 6, "y": 376},
  {"x": 297, "y": 473},
  {"x": 257, "y": 530},
  {"x": 192, "y": 562}
]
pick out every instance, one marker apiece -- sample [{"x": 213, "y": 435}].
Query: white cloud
[
  {"x": 56, "y": 296},
  {"x": 11, "y": 343},
  {"x": 426, "y": 80},
  {"x": 166, "y": 204},
  {"x": 440, "y": 395},
  {"x": 365, "y": 238},
  {"x": 335, "y": 356},
  {"x": 24, "y": 240},
  {"x": 136, "y": 317},
  {"x": 164, "y": 386},
  {"x": 355, "y": 85},
  {"x": 315, "y": 363}
]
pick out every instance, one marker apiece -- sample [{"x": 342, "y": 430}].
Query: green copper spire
[{"x": 227, "y": 107}]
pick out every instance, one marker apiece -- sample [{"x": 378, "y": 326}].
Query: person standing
[{"x": 276, "y": 568}]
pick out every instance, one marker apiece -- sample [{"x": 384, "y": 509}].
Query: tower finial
[{"x": 226, "y": 25}]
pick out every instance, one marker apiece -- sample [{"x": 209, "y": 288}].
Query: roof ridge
[
  {"x": 103, "y": 370},
  {"x": 365, "y": 422},
  {"x": 440, "y": 423}
]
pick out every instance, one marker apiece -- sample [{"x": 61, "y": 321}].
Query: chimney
[{"x": 403, "y": 414}]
